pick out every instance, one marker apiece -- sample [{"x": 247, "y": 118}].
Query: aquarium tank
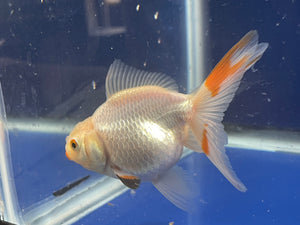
[{"x": 54, "y": 58}]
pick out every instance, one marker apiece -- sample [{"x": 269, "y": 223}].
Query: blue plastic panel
[
  {"x": 272, "y": 196},
  {"x": 40, "y": 165},
  {"x": 271, "y": 178}
]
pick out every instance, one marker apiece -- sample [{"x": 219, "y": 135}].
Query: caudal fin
[{"x": 211, "y": 101}]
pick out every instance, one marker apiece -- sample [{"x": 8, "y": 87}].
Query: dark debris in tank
[{"x": 69, "y": 187}]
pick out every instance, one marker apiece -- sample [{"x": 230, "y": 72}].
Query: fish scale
[{"x": 130, "y": 146}]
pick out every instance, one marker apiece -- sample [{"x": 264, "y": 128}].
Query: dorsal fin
[{"x": 121, "y": 77}]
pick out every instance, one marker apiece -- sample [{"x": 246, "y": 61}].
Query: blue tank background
[
  {"x": 55, "y": 33},
  {"x": 48, "y": 63}
]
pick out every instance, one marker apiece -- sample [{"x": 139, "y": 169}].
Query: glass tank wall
[{"x": 54, "y": 57}]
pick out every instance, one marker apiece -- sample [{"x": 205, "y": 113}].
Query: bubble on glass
[
  {"x": 158, "y": 41},
  {"x": 137, "y": 8},
  {"x": 28, "y": 58},
  {"x": 283, "y": 17},
  {"x": 94, "y": 85},
  {"x": 12, "y": 32},
  {"x": 2, "y": 41},
  {"x": 156, "y": 15}
]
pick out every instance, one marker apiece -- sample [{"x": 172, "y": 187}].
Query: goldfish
[{"x": 138, "y": 134}]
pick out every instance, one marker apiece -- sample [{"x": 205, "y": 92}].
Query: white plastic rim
[{"x": 8, "y": 197}]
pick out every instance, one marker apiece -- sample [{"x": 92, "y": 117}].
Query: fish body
[
  {"x": 138, "y": 134},
  {"x": 143, "y": 129}
]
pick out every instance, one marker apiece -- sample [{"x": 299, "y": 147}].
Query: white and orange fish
[{"x": 139, "y": 133}]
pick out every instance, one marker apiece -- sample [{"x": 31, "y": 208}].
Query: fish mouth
[{"x": 67, "y": 155}]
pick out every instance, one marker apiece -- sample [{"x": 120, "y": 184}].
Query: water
[{"x": 54, "y": 56}]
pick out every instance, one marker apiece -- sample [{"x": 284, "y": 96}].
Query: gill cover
[
  {"x": 94, "y": 152},
  {"x": 85, "y": 147}
]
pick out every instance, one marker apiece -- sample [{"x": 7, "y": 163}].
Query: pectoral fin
[{"x": 132, "y": 182}]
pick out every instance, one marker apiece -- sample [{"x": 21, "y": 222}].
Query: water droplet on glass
[
  {"x": 94, "y": 85},
  {"x": 158, "y": 41},
  {"x": 156, "y": 15},
  {"x": 137, "y": 7},
  {"x": 28, "y": 56}
]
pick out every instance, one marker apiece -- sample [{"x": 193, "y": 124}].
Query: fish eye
[{"x": 74, "y": 144}]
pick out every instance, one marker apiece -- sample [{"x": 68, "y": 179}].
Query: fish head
[{"x": 85, "y": 147}]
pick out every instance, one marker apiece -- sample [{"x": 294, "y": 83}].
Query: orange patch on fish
[
  {"x": 128, "y": 177},
  {"x": 68, "y": 156},
  {"x": 221, "y": 72},
  {"x": 205, "y": 142},
  {"x": 130, "y": 181},
  {"x": 224, "y": 68}
]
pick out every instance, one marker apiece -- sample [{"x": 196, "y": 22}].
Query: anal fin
[
  {"x": 132, "y": 182},
  {"x": 179, "y": 187}
]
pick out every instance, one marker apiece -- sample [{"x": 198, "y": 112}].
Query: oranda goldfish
[{"x": 138, "y": 134}]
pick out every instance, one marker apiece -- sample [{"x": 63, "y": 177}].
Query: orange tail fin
[{"x": 211, "y": 101}]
